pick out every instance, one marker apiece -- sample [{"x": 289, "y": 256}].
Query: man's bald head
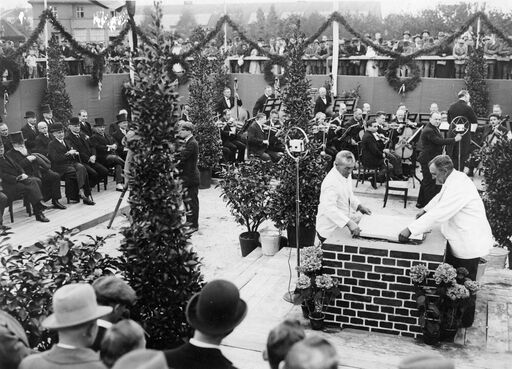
[{"x": 312, "y": 353}]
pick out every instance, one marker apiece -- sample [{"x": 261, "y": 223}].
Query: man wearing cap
[
  {"x": 13, "y": 342},
  {"x": 65, "y": 161},
  {"x": 42, "y": 139},
  {"x": 80, "y": 142},
  {"x": 36, "y": 165},
  {"x": 16, "y": 181},
  {"x": 47, "y": 115},
  {"x": 85, "y": 126},
  {"x": 75, "y": 312},
  {"x": 106, "y": 150},
  {"x": 213, "y": 313},
  {"x": 114, "y": 292},
  {"x": 29, "y": 130},
  {"x": 120, "y": 134},
  {"x": 4, "y": 134},
  {"x": 188, "y": 155}
]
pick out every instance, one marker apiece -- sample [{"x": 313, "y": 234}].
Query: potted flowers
[
  {"x": 442, "y": 306},
  {"x": 314, "y": 289}
]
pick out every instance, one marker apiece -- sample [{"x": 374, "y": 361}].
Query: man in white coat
[
  {"x": 338, "y": 204},
  {"x": 460, "y": 211}
]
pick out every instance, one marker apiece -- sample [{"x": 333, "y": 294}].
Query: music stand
[
  {"x": 271, "y": 104},
  {"x": 350, "y": 103}
]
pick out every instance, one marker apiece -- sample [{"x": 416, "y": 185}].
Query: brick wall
[{"x": 377, "y": 293}]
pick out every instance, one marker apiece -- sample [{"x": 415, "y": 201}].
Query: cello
[{"x": 404, "y": 148}]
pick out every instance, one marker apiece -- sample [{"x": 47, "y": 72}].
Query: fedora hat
[
  {"x": 56, "y": 127},
  {"x": 46, "y": 109},
  {"x": 142, "y": 359},
  {"x": 74, "y": 121},
  {"x": 121, "y": 118},
  {"x": 29, "y": 114},
  {"x": 217, "y": 309},
  {"x": 74, "y": 304},
  {"x": 99, "y": 122}
]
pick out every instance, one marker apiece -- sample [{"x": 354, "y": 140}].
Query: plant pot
[
  {"x": 205, "y": 178},
  {"x": 482, "y": 265},
  {"x": 248, "y": 242},
  {"x": 448, "y": 334},
  {"x": 306, "y": 307},
  {"x": 270, "y": 242},
  {"x": 497, "y": 258},
  {"x": 431, "y": 331},
  {"x": 317, "y": 321},
  {"x": 306, "y": 236}
]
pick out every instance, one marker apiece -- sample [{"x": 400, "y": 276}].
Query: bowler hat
[
  {"x": 74, "y": 304},
  {"x": 217, "y": 309},
  {"x": 29, "y": 114},
  {"x": 426, "y": 360},
  {"x": 110, "y": 288},
  {"x": 142, "y": 359},
  {"x": 121, "y": 118},
  {"x": 56, "y": 127},
  {"x": 17, "y": 138},
  {"x": 99, "y": 122},
  {"x": 46, "y": 109},
  {"x": 74, "y": 121}
]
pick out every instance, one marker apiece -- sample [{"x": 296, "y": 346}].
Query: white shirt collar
[
  {"x": 68, "y": 347},
  {"x": 198, "y": 343}
]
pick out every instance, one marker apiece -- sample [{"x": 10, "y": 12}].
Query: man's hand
[
  {"x": 386, "y": 151},
  {"x": 458, "y": 137},
  {"x": 420, "y": 214},
  {"x": 22, "y": 177},
  {"x": 404, "y": 235},
  {"x": 31, "y": 158},
  {"x": 363, "y": 209},
  {"x": 265, "y": 142},
  {"x": 92, "y": 159},
  {"x": 354, "y": 228}
]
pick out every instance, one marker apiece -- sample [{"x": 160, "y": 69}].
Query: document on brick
[{"x": 386, "y": 227}]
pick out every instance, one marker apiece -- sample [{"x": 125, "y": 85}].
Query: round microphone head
[{"x": 236, "y": 79}]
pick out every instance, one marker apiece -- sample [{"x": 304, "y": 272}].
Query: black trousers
[
  {"x": 4, "y": 201},
  {"x": 192, "y": 205},
  {"x": 236, "y": 150},
  {"x": 472, "y": 266},
  {"x": 114, "y": 161},
  {"x": 428, "y": 187},
  {"x": 96, "y": 172},
  {"x": 51, "y": 185}
]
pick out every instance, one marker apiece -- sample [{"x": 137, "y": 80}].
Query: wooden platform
[{"x": 263, "y": 280}]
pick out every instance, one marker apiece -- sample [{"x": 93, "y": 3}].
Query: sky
[{"x": 387, "y": 6}]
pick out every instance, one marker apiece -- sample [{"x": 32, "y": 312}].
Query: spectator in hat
[
  {"x": 15, "y": 182},
  {"x": 4, "y": 134},
  {"x": 120, "y": 133},
  {"x": 80, "y": 142},
  {"x": 142, "y": 359},
  {"x": 29, "y": 130},
  {"x": 426, "y": 360},
  {"x": 213, "y": 313},
  {"x": 65, "y": 161},
  {"x": 280, "y": 340},
  {"x": 85, "y": 126},
  {"x": 75, "y": 312},
  {"x": 13, "y": 342},
  {"x": 42, "y": 139},
  {"x": 114, "y": 292},
  {"x": 121, "y": 338},
  {"x": 312, "y": 353},
  {"x": 106, "y": 149},
  {"x": 47, "y": 115},
  {"x": 36, "y": 165},
  {"x": 358, "y": 67}
]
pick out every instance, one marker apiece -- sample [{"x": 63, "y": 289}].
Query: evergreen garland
[
  {"x": 475, "y": 82},
  {"x": 397, "y": 83},
  {"x": 55, "y": 94},
  {"x": 13, "y": 67}
]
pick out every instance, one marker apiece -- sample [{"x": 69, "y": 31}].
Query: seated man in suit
[
  {"x": 213, "y": 313},
  {"x": 260, "y": 103},
  {"x": 352, "y": 133},
  {"x": 106, "y": 150},
  {"x": 120, "y": 134},
  {"x": 42, "y": 139},
  {"x": 4, "y": 134},
  {"x": 65, "y": 161},
  {"x": 257, "y": 140},
  {"x": 85, "y": 126},
  {"x": 322, "y": 102},
  {"x": 232, "y": 146},
  {"x": 37, "y": 166},
  {"x": 276, "y": 147},
  {"x": 16, "y": 182},
  {"x": 30, "y": 130},
  {"x": 77, "y": 140},
  {"x": 227, "y": 101}
]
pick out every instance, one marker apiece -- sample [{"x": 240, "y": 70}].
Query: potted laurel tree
[
  {"x": 246, "y": 187},
  {"x": 314, "y": 290}
]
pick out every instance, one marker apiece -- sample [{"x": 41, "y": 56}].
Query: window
[
  {"x": 79, "y": 12},
  {"x": 54, "y": 11}
]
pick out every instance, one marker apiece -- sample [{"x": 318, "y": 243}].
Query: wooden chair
[
  {"x": 362, "y": 170},
  {"x": 27, "y": 205},
  {"x": 395, "y": 186},
  {"x": 104, "y": 180}
]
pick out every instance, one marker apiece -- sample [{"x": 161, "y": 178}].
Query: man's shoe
[
  {"x": 373, "y": 183},
  {"x": 43, "y": 206},
  {"x": 57, "y": 205},
  {"x": 88, "y": 201},
  {"x": 119, "y": 187},
  {"x": 41, "y": 218},
  {"x": 4, "y": 227}
]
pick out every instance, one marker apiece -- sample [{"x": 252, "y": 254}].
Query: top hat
[
  {"x": 142, "y": 359},
  {"x": 17, "y": 138},
  {"x": 121, "y": 118},
  {"x": 74, "y": 304},
  {"x": 29, "y": 114},
  {"x": 46, "y": 109},
  {"x": 56, "y": 127},
  {"x": 217, "y": 309},
  {"x": 99, "y": 122},
  {"x": 74, "y": 121},
  {"x": 426, "y": 361}
]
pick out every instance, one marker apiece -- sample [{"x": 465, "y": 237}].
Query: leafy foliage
[
  {"x": 497, "y": 162},
  {"x": 157, "y": 259},
  {"x": 30, "y": 275},
  {"x": 475, "y": 82},
  {"x": 55, "y": 94},
  {"x": 247, "y": 187}
]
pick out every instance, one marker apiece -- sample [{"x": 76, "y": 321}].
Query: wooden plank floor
[{"x": 263, "y": 281}]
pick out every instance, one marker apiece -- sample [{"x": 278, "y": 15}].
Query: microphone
[{"x": 235, "y": 79}]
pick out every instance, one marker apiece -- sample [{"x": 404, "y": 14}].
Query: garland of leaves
[
  {"x": 406, "y": 84},
  {"x": 12, "y": 66}
]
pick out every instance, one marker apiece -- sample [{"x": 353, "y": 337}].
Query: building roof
[{"x": 107, "y": 4}]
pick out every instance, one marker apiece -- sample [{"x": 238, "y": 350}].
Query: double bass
[{"x": 239, "y": 113}]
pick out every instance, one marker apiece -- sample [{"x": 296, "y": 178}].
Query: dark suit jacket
[
  {"x": 29, "y": 167},
  {"x": 461, "y": 108},
  {"x": 57, "y": 357},
  {"x": 80, "y": 144},
  {"x": 255, "y": 137},
  {"x": 188, "y": 163},
  {"x": 86, "y": 128},
  {"x": 189, "y": 356},
  {"x": 371, "y": 152},
  {"x": 221, "y": 104},
  {"x": 7, "y": 143},
  {"x": 57, "y": 155},
  {"x": 41, "y": 144},
  {"x": 13, "y": 342},
  {"x": 118, "y": 136},
  {"x": 432, "y": 143},
  {"x": 30, "y": 136},
  {"x": 260, "y": 103},
  {"x": 99, "y": 143},
  {"x": 320, "y": 106}
]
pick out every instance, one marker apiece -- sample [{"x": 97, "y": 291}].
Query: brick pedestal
[{"x": 377, "y": 292}]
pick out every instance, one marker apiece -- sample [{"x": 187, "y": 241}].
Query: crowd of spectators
[{"x": 85, "y": 315}]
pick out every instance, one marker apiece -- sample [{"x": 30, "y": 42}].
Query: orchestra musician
[
  {"x": 323, "y": 101},
  {"x": 227, "y": 101},
  {"x": 326, "y": 134},
  {"x": 338, "y": 119},
  {"x": 274, "y": 132},
  {"x": 352, "y": 133},
  {"x": 257, "y": 139},
  {"x": 233, "y": 147},
  {"x": 260, "y": 103}
]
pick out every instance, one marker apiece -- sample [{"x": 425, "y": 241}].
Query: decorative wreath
[
  {"x": 268, "y": 69},
  {"x": 409, "y": 83},
  {"x": 14, "y": 69},
  {"x": 178, "y": 69}
]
